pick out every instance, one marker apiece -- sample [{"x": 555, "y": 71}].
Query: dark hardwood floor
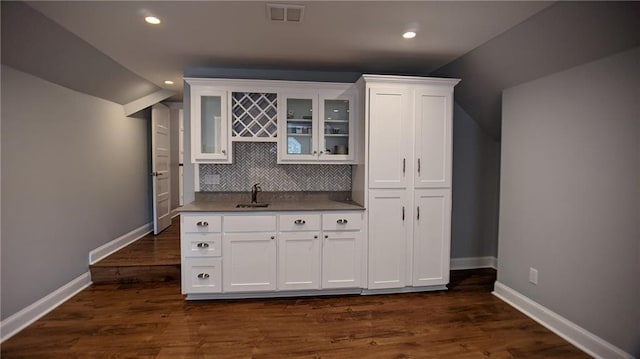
[{"x": 151, "y": 320}]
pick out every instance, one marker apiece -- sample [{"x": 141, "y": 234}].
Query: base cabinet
[
  {"x": 264, "y": 253},
  {"x": 202, "y": 275},
  {"x": 431, "y": 239},
  {"x": 389, "y": 235},
  {"x": 299, "y": 260},
  {"x": 341, "y": 260},
  {"x": 249, "y": 262}
]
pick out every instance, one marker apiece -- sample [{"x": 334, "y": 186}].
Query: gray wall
[
  {"x": 566, "y": 34},
  {"x": 74, "y": 176},
  {"x": 570, "y": 195},
  {"x": 476, "y": 181}
]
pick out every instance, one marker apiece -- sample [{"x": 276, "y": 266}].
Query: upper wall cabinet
[
  {"x": 209, "y": 126},
  {"x": 410, "y": 131},
  {"x": 316, "y": 127},
  {"x": 312, "y": 122}
]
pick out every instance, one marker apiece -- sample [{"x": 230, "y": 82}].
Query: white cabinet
[
  {"x": 249, "y": 262},
  {"x": 201, "y": 275},
  {"x": 299, "y": 260},
  {"x": 316, "y": 127},
  {"x": 200, "y": 246},
  {"x": 389, "y": 137},
  {"x": 433, "y": 137},
  {"x": 409, "y": 123},
  {"x": 389, "y": 236},
  {"x": 342, "y": 249},
  {"x": 249, "y": 250},
  {"x": 299, "y": 245},
  {"x": 341, "y": 260},
  {"x": 256, "y": 252},
  {"x": 210, "y": 130},
  {"x": 313, "y": 122},
  {"x": 432, "y": 233}
]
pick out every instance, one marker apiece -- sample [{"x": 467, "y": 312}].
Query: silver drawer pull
[
  {"x": 203, "y": 245},
  {"x": 203, "y": 275},
  {"x": 202, "y": 224},
  {"x": 299, "y": 221},
  {"x": 342, "y": 221}
]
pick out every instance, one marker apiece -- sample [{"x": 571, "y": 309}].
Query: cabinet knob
[
  {"x": 326, "y": 236},
  {"x": 342, "y": 221},
  {"x": 315, "y": 237},
  {"x": 315, "y": 152},
  {"x": 202, "y": 224},
  {"x": 203, "y": 245},
  {"x": 273, "y": 237},
  {"x": 321, "y": 152},
  {"x": 299, "y": 221},
  {"x": 224, "y": 152},
  {"x": 203, "y": 275}
]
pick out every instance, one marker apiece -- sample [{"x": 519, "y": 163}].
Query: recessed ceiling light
[
  {"x": 409, "y": 35},
  {"x": 168, "y": 82},
  {"x": 152, "y": 20}
]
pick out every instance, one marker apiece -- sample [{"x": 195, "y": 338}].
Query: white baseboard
[
  {"x": 473, "y": 262},
  {"x": 20, "y": 320},
  {"x": 119, "y": 243},
  {"x": 571, "y": 332}
]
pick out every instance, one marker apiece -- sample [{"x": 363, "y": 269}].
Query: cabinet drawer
[
  {"x": 244, "y": 223},
  {"x": 202, "y": 275},
  {"x": 201, "y": 244},
  {"x": 201, "y": 223},
  {"x": 299, "y": 222},
  {"x": 342, "y": 221}
]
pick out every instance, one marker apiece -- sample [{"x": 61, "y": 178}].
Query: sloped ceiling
[
  {"x": 104, "y": 49},
  {"x": 33, "y": 43},
  {"x": 355, "y": 36},
  {"x": 559, "y": 37}
]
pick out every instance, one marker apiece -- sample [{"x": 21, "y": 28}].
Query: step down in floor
[
  {"x": 135, "y": 274},
  {"x": 149, "y": 259}
]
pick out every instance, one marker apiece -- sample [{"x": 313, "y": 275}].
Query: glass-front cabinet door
[
  {"x": 209, "y": 126},
  {"x": 336, "y": 140},
  {"x": 300, "y": 132},
  {"x": 319, "y": 128}
]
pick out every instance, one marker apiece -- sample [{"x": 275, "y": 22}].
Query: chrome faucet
[{"x": 254, "y": 192}]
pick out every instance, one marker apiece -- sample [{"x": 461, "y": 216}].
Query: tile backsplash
[{"x": 256, "y": 162}]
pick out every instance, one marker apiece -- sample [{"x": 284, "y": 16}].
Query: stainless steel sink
[{"x": 252, "y": 205}]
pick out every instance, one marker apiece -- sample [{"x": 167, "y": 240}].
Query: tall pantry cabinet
[{"x": 408, "y": 179}]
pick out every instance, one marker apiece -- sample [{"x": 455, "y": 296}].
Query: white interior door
[
  {"x": 181, "y": 157},
  {"x": 160, "y": 167}
]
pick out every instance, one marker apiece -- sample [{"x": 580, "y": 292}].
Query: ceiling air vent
[{"x": 285, "y": 12}]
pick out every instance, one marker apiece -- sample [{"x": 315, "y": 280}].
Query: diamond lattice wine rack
[{"x": 254, "y": 115}]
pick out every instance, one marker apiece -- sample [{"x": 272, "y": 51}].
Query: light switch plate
[
  {"x": 533, "y": 275},
  {"x": 212, "y": 179}
]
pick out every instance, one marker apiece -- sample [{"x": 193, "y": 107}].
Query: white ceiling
[{"x": 360, "y": 36}]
